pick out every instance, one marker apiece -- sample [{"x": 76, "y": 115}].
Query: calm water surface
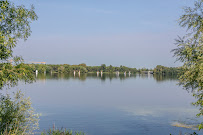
[{"x": 112, "y": 105}]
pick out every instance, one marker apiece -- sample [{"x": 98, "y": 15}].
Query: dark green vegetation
[
  {"x": 168, "y": 70},
  {"x": 190, "y": 52}
]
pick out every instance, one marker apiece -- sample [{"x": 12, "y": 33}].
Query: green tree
[
  {"x": 14, "y": 25},
  {"x": 190, "y": 52},
  {"x": 121, "y": 69},
  {"x": 103, "y": 67},
  {"x": 111, "y": 68},
  {"x": 66, "y": 68},
  {"x": 83, "y": 65},
  {"x": 17, "y": 116}
]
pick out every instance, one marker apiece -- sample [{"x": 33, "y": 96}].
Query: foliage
[
  {"x": 17, "y": 115},
  {"x": 190, "y": 52},
  {"x": 103, "y": 67},
  {"x": 167, "y": 70},
  {"x": 14, "y": 25},
  {"x": 83, "y": 68},
  {"x": 65, "y": 68},
  {"x": 55, "y": 131},
  {"x": 11, "y": 74}
]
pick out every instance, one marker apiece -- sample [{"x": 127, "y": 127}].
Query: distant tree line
[
  {"x": 167, "y": 70},
  {"x": 110, "y": 69},
  {"x": 83, "y": 68}
]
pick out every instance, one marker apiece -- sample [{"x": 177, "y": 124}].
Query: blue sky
[{"x": 135, "y": 33}]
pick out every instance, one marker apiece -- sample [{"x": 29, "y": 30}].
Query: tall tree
[
  {"x": 14, "y": 25},
  {"x": 17, "y": 115},
  {"x": 103, "y": 67},
  {"x": 190, "y": 52}
]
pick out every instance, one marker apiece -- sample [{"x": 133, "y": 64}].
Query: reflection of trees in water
[
  {"x": 161, "y": 78},
  {"x": 58, "y": 76},
  {"x": 105, "y": 76},
  {"x": 145, "y": 76}
]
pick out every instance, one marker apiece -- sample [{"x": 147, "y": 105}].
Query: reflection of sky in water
[
  {"x": 160, "y": 111},
  {"x": 114, "y": 105}
]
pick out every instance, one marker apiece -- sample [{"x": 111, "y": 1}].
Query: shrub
[{"x": 17, "y": 116}]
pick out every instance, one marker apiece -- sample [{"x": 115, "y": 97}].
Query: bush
[{"x": 17, "y": 116}]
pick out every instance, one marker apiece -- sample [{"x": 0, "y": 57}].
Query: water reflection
[
  {"x": 106, "y": 76},
  {"x": 161, "y": 78},
  {"x": 135, "y": 104}
]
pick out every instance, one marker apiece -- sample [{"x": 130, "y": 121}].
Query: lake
[{"x": 112, "y": 104}]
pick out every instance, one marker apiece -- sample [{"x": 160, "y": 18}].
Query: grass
[{"x": 55, "y": 131}]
